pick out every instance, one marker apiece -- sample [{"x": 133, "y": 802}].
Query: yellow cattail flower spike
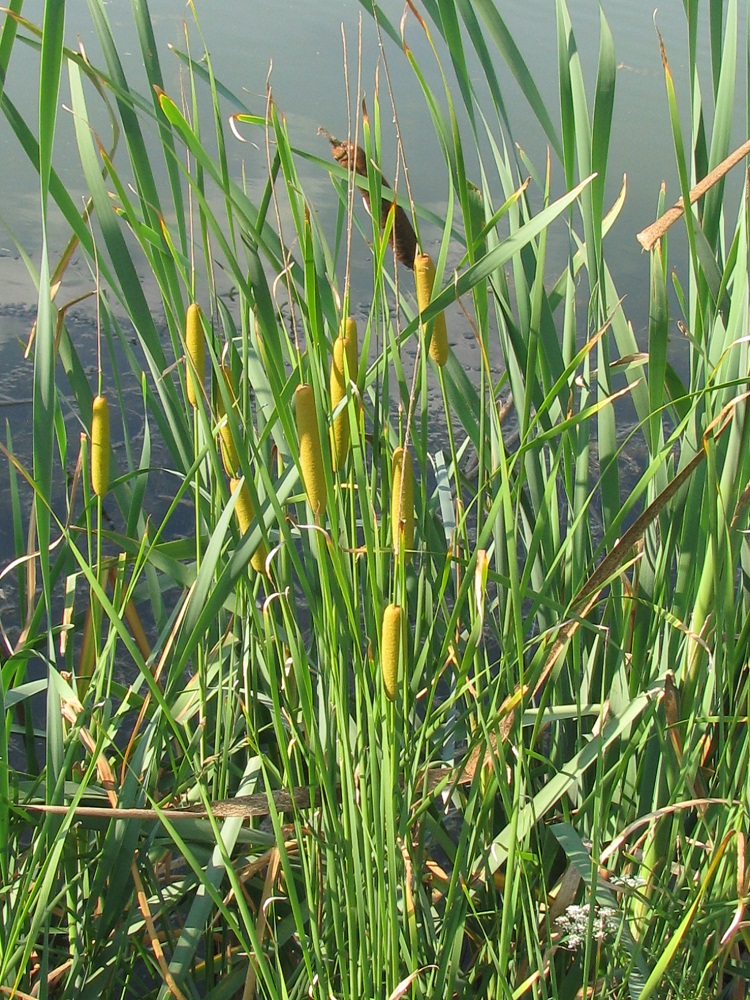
[
  {"x": 100, "y": 446},
  {"x": 402, "y": 504},
  {"x": 344, "y": 347},
  {"x": 424, "y": 274},
  {"x": 245, "y": 514},
  {"x": 229, "y": 455},
  {"x": 392, "y": 648},
  {"x": 195, "y": 351},
  {"x": 310, "y": 452}
]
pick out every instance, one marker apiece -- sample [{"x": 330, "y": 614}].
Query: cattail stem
[{"x": 91, "y": 639}]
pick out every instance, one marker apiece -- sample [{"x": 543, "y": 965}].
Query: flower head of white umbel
[{"x": 574, "y": 924}]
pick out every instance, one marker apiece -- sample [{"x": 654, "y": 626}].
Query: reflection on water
[{"x": 303, "y": 43}]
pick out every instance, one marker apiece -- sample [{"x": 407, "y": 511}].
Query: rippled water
[
  {"x": 300, "y": 44},
  {"x": 303, "y": 43}
]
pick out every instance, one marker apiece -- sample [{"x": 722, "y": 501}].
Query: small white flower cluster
[{"x": 574, "y": 923}]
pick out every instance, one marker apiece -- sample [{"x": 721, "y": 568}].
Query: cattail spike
[
  {"x": 195, "y": 351},
  {"x": 424, "y": 275},
  {"x": 100, "y": 446},
  {"x": 402, "y": 504},
  {"x": 348, "y": 332},
  {"x": 393, "y": 648},
  {"x": 310, "y": 452},
  {"x": 345, "y": 346},
  {"x": 229, "y": 455},
  {"x": 245, "y": 514}
]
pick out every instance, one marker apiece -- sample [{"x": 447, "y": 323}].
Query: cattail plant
[
  {"x": 229, "y": 455},
  {"x": 345, "y": 346},
  {"x": 424, "y": 275},
  {"x": 310, "y": 451},
  {"x": 392, "y": 647},
  {"x": 402, "y": 504},
  {"x": 245, "y": 514},
  {"x": 100, "y": 446},
  {"x": 195, "y": 352},
  {"x": 402, "y": 238}
]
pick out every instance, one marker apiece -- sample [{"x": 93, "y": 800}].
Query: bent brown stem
[{"x": 651, "y": 234}]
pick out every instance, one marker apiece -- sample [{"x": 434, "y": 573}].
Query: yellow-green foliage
[
  {"x": 345, "y": 346},
  {"x": 245, "y": 514},
  {"x": 310, "y": 452},
  {"x": 392, "y": 647},
  {"x": 229, "y": 455},
  {"x": 195, "y": 351},
  {"x": 424, "y": 275},
  {"x": 402, "y": 504},
  {"x": 100, "y": 446}
]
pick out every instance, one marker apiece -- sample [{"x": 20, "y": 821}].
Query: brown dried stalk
[{"x": 648, "y": 237}]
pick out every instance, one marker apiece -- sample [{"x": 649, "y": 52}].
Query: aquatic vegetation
[
  {"x": 424, "y": 274},
  {"x": 195, "y": 353},
  {"x": 100, "y": 444},
  {"x": 477, "y": 724},
  {"x": 343, "y": 371},
  {"x": 310, "y": 450},
  {"x": 402, "y": 503},
  {"x": 392, "y": 648},
  {"x": 245, "y": 513},
  {"x": 230, "y": 457}
]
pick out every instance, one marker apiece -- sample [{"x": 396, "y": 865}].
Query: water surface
[{"x": 298, "y": 47}]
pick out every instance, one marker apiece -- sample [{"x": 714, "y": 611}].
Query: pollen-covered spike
[
  {"x": 100, "y": 446},
  {"x": 229, "y": 455},
  {"x": 344, "y": 347},
  {"x": 310, "y": 452},
  {"x": 392, "y": 648},
  {"x": 195, "y": 351},
  {"x": 402, "y": 504},
  {"x": 245, "y": 514},
  {"x": 424, "y": 274}
]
